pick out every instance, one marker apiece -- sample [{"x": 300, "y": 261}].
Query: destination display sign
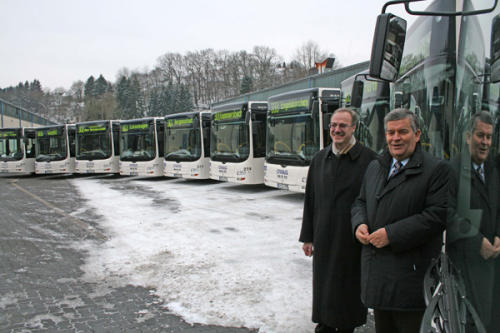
[
  {"x": 92, "y": 128},
  {"x": 134, "y": 127},
  {"x": 8, "y": 134},
  {"x": 229, "y": 115},
  {"x": 179, "y": 122},
  {"x": 48, "y": 132},
  {"x": 290, "y": 105},
  {"x": 259, "y": 107}
]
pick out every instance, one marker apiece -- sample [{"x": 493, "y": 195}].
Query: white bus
[
  {"x": 97, "y": 147},
  {"x": 17, "y": 150},
  {"x": 55, "y": 149},
  {"x": 187, "y": 145},
  {"x": 297, "y": 128},
  {"x": 238, "y": 142},
  {"x": 141, "y": 147}
]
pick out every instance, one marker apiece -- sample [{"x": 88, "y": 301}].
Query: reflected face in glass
[
  {"x": 480, "y": 141},
  {"x": 401, "y": 139},
  {"x": 341, "y": 129}
]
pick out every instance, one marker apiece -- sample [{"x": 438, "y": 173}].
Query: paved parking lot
[{"x": 41, "y": 285}]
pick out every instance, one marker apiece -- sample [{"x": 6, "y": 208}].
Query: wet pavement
[{"x": 41, "y": 285}]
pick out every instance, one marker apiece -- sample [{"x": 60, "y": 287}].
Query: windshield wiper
[{"x": 181, "y": 153}]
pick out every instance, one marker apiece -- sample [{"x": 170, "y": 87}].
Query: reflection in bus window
[
  {"x": 293, "y": 137},
  {"x": 230, "y": 140}
]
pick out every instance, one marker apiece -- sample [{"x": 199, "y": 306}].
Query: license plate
[
  {"x": 178, "y": 175},
  {"x": 90, "y": 171},
  {"x": 283, "y": 186},
  {"x": 134, "y": 173},
  {"x": 222, "y": 178}
]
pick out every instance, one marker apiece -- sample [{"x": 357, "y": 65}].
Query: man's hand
[
  {"x": 496, "y": 246},
  {"x": 308, "y": 249},
  {"x": 362, "y": 234},
  {"x": 487, "y": 250},
  {"x": 379, "y": 238}
]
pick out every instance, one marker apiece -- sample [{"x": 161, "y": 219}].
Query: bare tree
[
  {"x": 309, "y": 53},
  {"x": 266, "y": 64}
]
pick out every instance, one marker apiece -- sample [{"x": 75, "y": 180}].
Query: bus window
[{"x": 259, "y": 135}]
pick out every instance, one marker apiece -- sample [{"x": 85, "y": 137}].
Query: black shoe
[{"x": 322, "y": 328}]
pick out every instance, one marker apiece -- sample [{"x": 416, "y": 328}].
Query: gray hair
[
  {"x": 483, "y": 116},
  {"x": 353, "y": 113},
  {"x": 400, "y": 114}
]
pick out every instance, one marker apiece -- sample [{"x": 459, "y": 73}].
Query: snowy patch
[
  {"x": 40, "y": 321},
  {"x": 10, "y": 298},
  {"x": 217, "y": 253},
  {"x": 72, "y": 301}
]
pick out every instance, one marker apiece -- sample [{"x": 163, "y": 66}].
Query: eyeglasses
[{"x": 342, "y": 126}]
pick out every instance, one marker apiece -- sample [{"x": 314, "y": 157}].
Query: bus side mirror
[
  {"x": 495, "y": 50},
  {"x": 326, "y": 121},
  {"x": 357, "y": 93},
  {"x": 196, "y": 123},
  {"x": 387, "y": 47},
  {"x": 475, "y": 101},
  {"x": 398, "y": 99}
]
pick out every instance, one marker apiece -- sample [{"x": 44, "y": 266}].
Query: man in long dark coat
[
  {"x": 473, "y": 237},
  {"x": 399, "y": 217},
  {"x": 333, "y": 182}
]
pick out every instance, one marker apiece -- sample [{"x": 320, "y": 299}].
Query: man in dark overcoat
[
  {"x": 473, "y": 236},
  {"x": 399, "y": 217},
  {"x": 333, "y": 183}
]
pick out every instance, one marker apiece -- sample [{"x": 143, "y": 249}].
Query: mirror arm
[
  {"x": 462, "y": 13},
  {"x": 395, "y": 2},
  {"x": 367, "y": 77}
]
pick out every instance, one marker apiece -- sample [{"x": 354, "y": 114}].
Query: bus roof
[
  {"x": 91, "y": 122},
  {"x": 303, "y": 92},
  {"x": 233, "y": 106},
  {"x": 140, "y": 120},
  {"x": 186, "y": 114}
]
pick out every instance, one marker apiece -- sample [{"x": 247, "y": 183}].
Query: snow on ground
[{"x": 216, "y": 253}]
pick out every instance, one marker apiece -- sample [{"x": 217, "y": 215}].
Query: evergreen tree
[
  {"x": 185, "y": 99},
  {"x": 121, "y": 96},
  {"x": 246, "y": 84},
  {"x": 89, "y": 87},
  {"x": 100, "y": 86},
  {"x": 155, "y": 103}
]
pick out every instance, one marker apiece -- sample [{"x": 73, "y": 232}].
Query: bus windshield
[
  {"x": 292, "y": 138},
  {"x": 137, "y": 142},
  {"x": 51, "y": 145},
  {"x": 93, "y": 142},
  {"x": 230, "y": 141},
  {"x": 10, "y": 146},
  {"x": 182, "y": 140}
]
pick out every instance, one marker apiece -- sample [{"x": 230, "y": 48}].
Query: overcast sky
[{"x": 61, "y": 41}]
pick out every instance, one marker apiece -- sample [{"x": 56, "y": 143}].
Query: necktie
[
  {"x": 396, "y": 168},
  {"x": 480, "y": 172}
]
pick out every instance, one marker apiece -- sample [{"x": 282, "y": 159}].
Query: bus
[
  {"x": 238, "y": 142},
  {"x": 187, "y": 145},
  {"x": 141, "y": 147},
  {"x": 372, "y": 107},
  {"x": 97, "y": 147},
  {"x": 17, "y": 150},
  {"x": 297, "y": 128},
  {"x": 55, "y": 149},
  {"x": 446, "y": 68}
]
